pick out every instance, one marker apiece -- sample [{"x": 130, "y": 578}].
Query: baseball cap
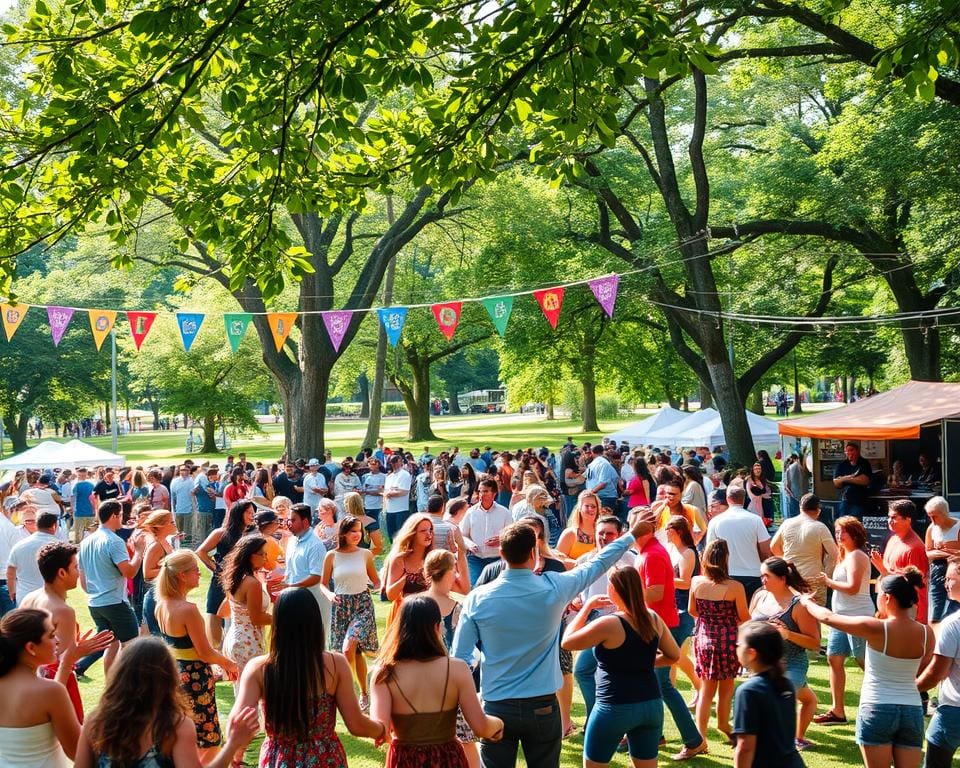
[{"x": 313, "y": 463}]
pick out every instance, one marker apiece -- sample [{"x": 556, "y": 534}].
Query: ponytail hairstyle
[
  {"x": 903, "y": 587},
  {"x": 168, "y": 581},
  {"x": 765, "y": 640},
  {"x": 716, "y": 561},
  {"x": 787, "y": 571},
  {"x": 627, "y": 583},
  {"x": 438, "y": 564},
  {"x": 19, "y": 627}
]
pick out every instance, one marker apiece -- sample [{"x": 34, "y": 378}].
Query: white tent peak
[{"x": 50, "y": 454}]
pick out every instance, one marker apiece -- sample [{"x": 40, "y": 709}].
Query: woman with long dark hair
[
  {"x": 628, "y": 644},
  {"x": 220, "y": 541},
  {"x": 158, "y": 732},
  {"x": 412, "y": 668},
  {"x": 641, "y": 488},
  {"x": 778, "y": 603},
  {"x": 350, "y": 570},
  {"x": 237, "y": 489},
  {"x": 694, "y": 493},
  {"x": 248, "y": 600},
  {"x": 301, "y": 688},
  {"x": 572, "y": 480},
  {"x": 759, "y": 492}
]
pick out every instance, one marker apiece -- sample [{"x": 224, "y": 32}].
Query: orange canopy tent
[{"x": 894, "y": 415}]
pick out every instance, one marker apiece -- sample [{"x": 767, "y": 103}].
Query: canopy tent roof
[
  {"x": 51, "y": 454},
  {"x": 706, "y": 428},
  {"x": 894, "y": 415},
  {"x": 636, "y": 433}
]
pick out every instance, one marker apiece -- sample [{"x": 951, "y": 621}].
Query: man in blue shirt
[
  {"x": 82, "y": 504},
  {"x": 515, "y": 620},
  {"x": 602, "y": 479},
  {"x": 304, "y": 560},
  {"x": 105, "y": 566},
  {"x": 205, "y": 491}
]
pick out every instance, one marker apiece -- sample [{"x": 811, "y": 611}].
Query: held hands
[
  {"x": 230, "y": 670},
  {"x": 498, "y": 729},
  {"x": 243, "y": 726}
]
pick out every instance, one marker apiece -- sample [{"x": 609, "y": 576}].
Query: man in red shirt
[
  {"x": 656, "y": 573},
  {"x": 904, "y": 548}
]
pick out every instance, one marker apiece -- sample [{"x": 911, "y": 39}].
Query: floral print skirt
[
  {"x": 196, "y": 680},
  {"x": 447, "y": 755},
  {"x": 353, "y": 618}
]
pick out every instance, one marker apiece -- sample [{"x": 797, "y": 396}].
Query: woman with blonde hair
[
  {"x": 159, "y": 527},
  {"x": 580, "y": 535},
  {"x": 404, "y": 566},
  {"x": 181, "y": 625}
]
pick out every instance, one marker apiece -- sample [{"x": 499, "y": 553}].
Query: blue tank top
[{"x": 625, "y": 674}]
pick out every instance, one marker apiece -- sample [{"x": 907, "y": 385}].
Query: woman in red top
[
  {"x": 641, "y": 485},
  {"x": 238, "y": 488}
]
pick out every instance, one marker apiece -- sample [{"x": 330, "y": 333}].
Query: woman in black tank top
[{"x": 627, "y": 644}]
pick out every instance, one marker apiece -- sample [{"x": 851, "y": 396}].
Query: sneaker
[
  {"x": 829, "y": 718},
  {"x": 803, "y": 744}
]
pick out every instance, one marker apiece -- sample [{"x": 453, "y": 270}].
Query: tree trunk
[
  {"x": 922, "y": 346},
  {"x": 454, "y": 401},
  {"x": 706, "y": 399},
  {"x": 364, "y": 384},
  {"x": 686, "y": 403},
  {"x": 589, "y": 415},
  {"x": 845, "y": 383},
  {"x": 548, "y": 406},
  {"x": 209, "y": 434},
  {"x": 107, "y": 414},
  {"x": 416, "y": 397},
  {"x": 16, "y": 429},
  {"x": 797, "y": 408},
  {"x": 673, "y": 401},
  {"x": 755, "y": 403}
]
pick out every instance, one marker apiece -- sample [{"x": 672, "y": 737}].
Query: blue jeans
[
  {"x": 532, "y": 723},
  {"x": 671, "y": 696},
  {"x": 642, "y": 722},
  {"x": 941, "y": 606},
  {"x": 854, "y": 510},
  {"x": 585, "y": 673},
  {"x": 150, "y": 611},
  {"x": 476, "y": 564},
  {"x": 792, "y": 508},
  {"x": 6, "y": 604},
  {"x": 943, "y": 737},
  {"x": 395, "y": 521}
]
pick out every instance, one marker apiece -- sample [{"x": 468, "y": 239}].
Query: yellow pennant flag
[
  {"x": 101, "y": 323},
  {"x": 13, "y": 315},
  {"x": 281, "y": 323}
]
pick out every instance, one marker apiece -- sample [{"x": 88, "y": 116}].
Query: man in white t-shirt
[
  {"x": 396, "y": 496},
  {"x": 314, "y": 485},
  {"x": 481, "y": 528},
  {"x": 747, "y": 539},
  {"x": 943, "y": 734},
  {"x": 808, "y": 544}
]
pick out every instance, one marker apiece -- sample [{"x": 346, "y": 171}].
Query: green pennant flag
[
  {"x": 499, "y": 309},
  {"x": 236, "y": 325}
]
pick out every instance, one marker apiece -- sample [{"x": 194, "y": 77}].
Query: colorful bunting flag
[
  {"x": 550, "y": 301},
  {"x": 236, "y": 324},
  {"x": 448, "y": 317},
  {"x": 13, "y": 315},
  {"x": 605, "y": 291},
  {"x": 393, "y": 319},
  {"x": 59, "y": 318},
  {"x": 189, "y": 324},
  {"x": 337, "y": 324},
  {"x": 140, "y": 325},
  {"x": 499, "y": 309},
  {"x": 281, "y": 323},
  {"x": 101, "y": 323}
]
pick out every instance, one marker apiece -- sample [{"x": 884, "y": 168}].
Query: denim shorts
[
  {"x": 641, "y": 721},
  {"x": 944, "y": 729},
  {"x": 841, "y": 644},
  {"x": 898, "y": 724},
  {"x": 797, "y": 665}
]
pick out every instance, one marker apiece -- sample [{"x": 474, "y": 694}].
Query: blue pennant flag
[
  {"x": 393, "y": 319},
  {"x": 189, "y": 324}
]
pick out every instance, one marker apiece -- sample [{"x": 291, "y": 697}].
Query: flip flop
[{"x": 829, "y": 718}]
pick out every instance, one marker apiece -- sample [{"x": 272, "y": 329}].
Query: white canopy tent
[
  {"x": 51, "y": 454},
  {"x": 706, "y": 428},
  {"x": 636, "y": 433}
]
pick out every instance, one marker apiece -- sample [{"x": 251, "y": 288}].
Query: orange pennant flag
[
  {"x": 101, "y": 323},
  {"x": 281, "y": 323},
  {"x": 13, "y": 315}
]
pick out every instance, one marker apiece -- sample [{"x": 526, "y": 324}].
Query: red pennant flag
[
  {"x": 140, "y": 325},
  {"x": 448, "y": 317},
  {"x": 550, "y": 301}
]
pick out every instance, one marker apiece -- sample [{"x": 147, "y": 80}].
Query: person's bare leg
[
  {"x": 472, "y": 753},
  {"x": 906, "y": 758},
  {"x": 724, "y": 702},
  {"x": 708, "y": 690},
  {"x": 838, "y": 682},
  {"x": 360, "y": 667},
  {"x": 877, "y": 757},
  {"x": 808, "y": 708},
  {"x": 565, "y": 698},
  {"x": 110, "y": 655},
  {"x": 685, "y": 665},
  {"x": 215, "y": 630}
]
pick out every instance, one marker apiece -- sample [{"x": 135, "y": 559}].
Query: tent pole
[{"x": 113, "y": 390}]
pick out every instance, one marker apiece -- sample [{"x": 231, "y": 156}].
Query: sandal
[
  {"x": 829, "y": 718},
  {"x": 688, "y": 753}
]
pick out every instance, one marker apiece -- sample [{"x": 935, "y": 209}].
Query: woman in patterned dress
[
  {"x": 247, "y": 598},
  {"x": 182, "y": 627},
  {"x": 301, "y": 688},
  {"x": 719, "y": 604},
  {"x": 404, "y": 567},
  {"x": 354, "y": 624}
]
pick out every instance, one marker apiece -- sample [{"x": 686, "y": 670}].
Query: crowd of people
[{"x": 512, "y": 579}]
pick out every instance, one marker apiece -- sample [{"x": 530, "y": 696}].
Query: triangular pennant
[
  {"x": 101, "y": 323},
  {"x": 13, "y": 315},
  {"x": 337, "y": 324},
  {"x": 605, "y": 291},
  {"x": 393, "y": 319},
  {"x": 448, "y": 317},
  {"x": 189, "y": 324},
  {"x": 281, "y": 323},
  {"x": 140, "y": 325},
  {"x": 59, "y": 318},
  {"x": 236, "y": 324},
  {"x": 550, "y": 301},
  {"x": 499, "y": 309}
]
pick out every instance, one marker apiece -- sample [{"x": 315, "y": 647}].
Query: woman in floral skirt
[{"x": 248, "y": 600}]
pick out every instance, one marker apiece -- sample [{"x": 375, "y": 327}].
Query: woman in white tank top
[
  {"x": 890, "y": 716},
  {"x": 942, "y": 540},
  {"x": 851, "y": 597}
]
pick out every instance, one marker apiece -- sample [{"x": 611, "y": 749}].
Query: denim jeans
[
  {"x": 941, "y": 606},
  {"x": 476, "y": 564},
  {"x": 671, "y": 696},
  {"x": 6, "y": 604},
  {"x": 150, "y": 611},
  {"x": 585, "y": 673},
  {"x": 792, "y": 507},
  {"x": 943, "y": 737},
  {"x": 533, "y": 724},
  {"x": 395, "y": 521},
  {"x": 642, "y": 722}
]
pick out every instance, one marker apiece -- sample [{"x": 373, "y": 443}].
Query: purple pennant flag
[
  {"x": 605, "y": 291},
  {"x": 337, "y": 325},
  {"x": 59, "y": 318}
]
